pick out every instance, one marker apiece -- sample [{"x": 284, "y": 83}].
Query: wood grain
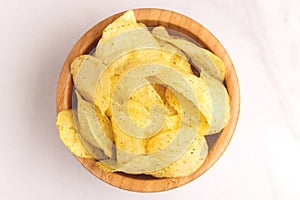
[{"x": 181, "y": 23}]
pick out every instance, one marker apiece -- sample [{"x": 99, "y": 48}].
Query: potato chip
[
  {"x": 140, "y": 164},
  {"x": 172, "y": 100},
  {"x": 96, "y": 152},
  {"x": 160, "y": 89},
  {"x": 124, "y": 23},
  {"x": 127, "y": 62},
  {"x": 68, "y": 134},
  {"x": 72, "y": 140},
  {"x": 104, "y": 167},
  {"x": 120, "y": 109},
  {"x": 157, "y": 160},
  {"x": 174, "y": 79},
  {"x": 86, "y": 71},
  {"x": 102, "y": 98},
  {"x": 122, "y": 36},
  {"x": 188, "y": 163},
  {"x": 95, "y": 128},
  {"x": 119, "y": 45},
  {"x": 212, "y": 98},
  {"x": 169, "y": 47},
  {"x": 161, "y": 140},
  {"x": 131, "y": 154},
  {"x": 189, "y": 88},
  {"x": 220, "y": 112},
  {"x": 174, "y": 103},
  {"x": 202, "y": 93},
  {"x": 172, "y": 122},
  {"x": 141, "y": 102},
  {"x": 127, "y": 146},
  {"x": 139, "y": 114},
  {"x": 202, "y": 59},
  {"x": 139, "y": 107},
  {"x": 148, "y": 96},
  {"x": 150, "y": 56},
  {"x": 212, "y": 101}
]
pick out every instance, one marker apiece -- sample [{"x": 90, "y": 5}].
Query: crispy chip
[
  {"x": 220, "y": 112},
  {"x": 123, "y": 36},
  {"x": 190, "y": 88},
  {"x": 104, "y": 167},
  {"x": 86, "y": 71},
  {"x": 203, "y": 59},
  {"x": 161, "y": 140},
  {"x": 95, "y": 128},
  {"x": 127, "y": 146},
  {"x": 68, "y": 134},
  {"x": 167, "y": 46},
  {"x": 140, "y": 164},
  {"x": 139, "y": 107},
  {"x": 127, "y": 62},
  {"x": 160, "y": 89},
  {"x": 121, "y": 44},
  {"x": 96, "y": 152},
  {"x": 124, "y": 23},
  {"x": 188, "y": 163},
  {"x": 139, "y": 114}
]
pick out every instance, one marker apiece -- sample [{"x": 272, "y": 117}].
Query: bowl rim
[{"x": 173, "y": 20}]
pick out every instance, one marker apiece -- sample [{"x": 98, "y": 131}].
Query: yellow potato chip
[
  {"x": 188, "y": 163},
  {"x": 95, "y": 128},
  {"x": 161, "y": 140},
  {"x": 122, "y": 24},
  {"x": 220, "y": 105},
  {"x": 96, "y": 152},
  {"x": 166, "y": 135},
  {"x": 68, "y": 134},
  {"x": 203, "y": 59},
  {"x": 160, "y": 89},
  {"x": 127, "y": 146},
  {"x": 203, "y": 95},
  {"x": 139, "y": 106},
  {"x": 190, "y": 88},
  {"x": 148, "y": 96},
  {"x": 189, "y": 118},
  {"x": 122, "y": 36},
  {"x": 102, "y": 98},
  {"x": 213, "y": 99},
  {"x": 137, "y": 39},
  {"x": 139, "y": 114},
  {"x": 104, "y": 167},
  {"x": 86, "y": 71},
  {"x": 72, "y": 139},
  {"x": 118, "y": 68},
  {"x": 165, "y": 143},
  {"x": 140, "y": 164},
  {"x": 172, "y": 122},
  {"x": 167, "y": 46},
  {"x": 172, "y": 100}
]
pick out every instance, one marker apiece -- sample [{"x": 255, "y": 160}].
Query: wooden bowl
[{"x": 172, "y": 20}]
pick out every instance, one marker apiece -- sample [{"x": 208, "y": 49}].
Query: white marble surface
[{"x": 263, "y": 39}]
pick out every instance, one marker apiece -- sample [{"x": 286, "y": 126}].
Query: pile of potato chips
[{"x": 140, "y": 107}]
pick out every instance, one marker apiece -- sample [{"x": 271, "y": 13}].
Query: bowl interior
[{"x": 175, "y": 21}]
